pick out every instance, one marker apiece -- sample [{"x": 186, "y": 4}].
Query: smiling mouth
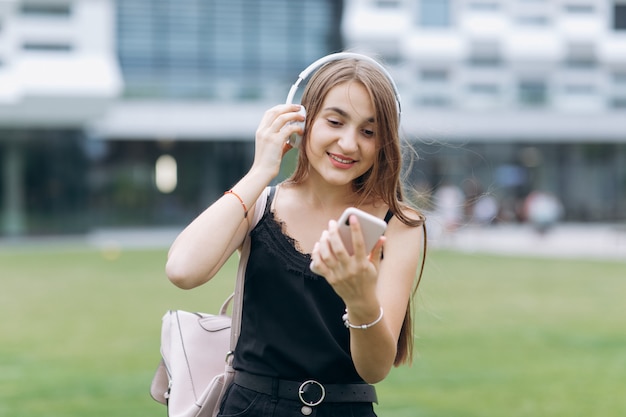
[{"x": 341, "y": 160}]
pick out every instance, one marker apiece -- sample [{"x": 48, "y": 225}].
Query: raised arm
[
  {"x": 376, "y": 292},
  {"x": 207, "y": 242}
]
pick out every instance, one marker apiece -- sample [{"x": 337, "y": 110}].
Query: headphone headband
[{"x": 335, "y": 57}]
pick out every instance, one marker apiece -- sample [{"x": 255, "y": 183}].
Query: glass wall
[
  {"x": 588, "y": 179},
  {"x": 221, "y": 49},
  {"x": 124, "y": 179},
  {"x": 62, "y": 182},
  {"x": 73, "y": 184},
  {"x": 44, "y": 188}
]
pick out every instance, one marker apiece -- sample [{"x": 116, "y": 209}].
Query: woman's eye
[
  {"x": 368, "y": 133},
  {"x": 334, "y": 122}
]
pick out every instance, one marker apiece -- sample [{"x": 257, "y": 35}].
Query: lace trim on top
[{"x": 270, "y": 233}]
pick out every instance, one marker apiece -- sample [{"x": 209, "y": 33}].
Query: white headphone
[{"x": 295, "y": 139}]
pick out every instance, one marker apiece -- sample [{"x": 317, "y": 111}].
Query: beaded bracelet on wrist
[
  {"x": 349, "y": 325},
  {"x": 245, "y": 209}
]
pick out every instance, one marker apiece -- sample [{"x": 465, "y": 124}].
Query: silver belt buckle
[{"x": 311, "y": 388}]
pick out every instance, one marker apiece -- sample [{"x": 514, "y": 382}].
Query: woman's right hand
[
  {"x": 206, "y": 243},
  {"x": 272, "y": 134}
]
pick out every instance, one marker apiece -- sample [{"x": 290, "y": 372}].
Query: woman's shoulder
[
  {"x": 405, "y": 232},
  {"x": 408, "y": 216}
]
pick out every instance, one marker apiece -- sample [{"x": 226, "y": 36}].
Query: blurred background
[
  {"x": 121, "y": 121},
  {"x": 139, "y": 113}
]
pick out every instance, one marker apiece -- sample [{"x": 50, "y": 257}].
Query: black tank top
[{"x": 291, "y": 325}]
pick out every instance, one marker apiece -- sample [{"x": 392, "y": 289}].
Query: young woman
[{"x": 319, "y": 324}]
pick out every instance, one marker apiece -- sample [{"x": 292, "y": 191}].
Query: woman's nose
[{"x": 348, "y": 140}]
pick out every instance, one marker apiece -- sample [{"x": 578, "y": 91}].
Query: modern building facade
[
  {"x": 197, "y": 77},
  {"x": 512, "y": 95},
  {"x": 58, "y": 72},
  {"x": 141, "y": 112}
]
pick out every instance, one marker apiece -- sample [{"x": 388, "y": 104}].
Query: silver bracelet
[{"x": 361, "y": 326}]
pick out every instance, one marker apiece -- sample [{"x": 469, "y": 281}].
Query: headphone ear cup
[{"x": 295, "y": 139}]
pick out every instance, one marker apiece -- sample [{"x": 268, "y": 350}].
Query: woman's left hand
[{"x": 353, "y": 277}]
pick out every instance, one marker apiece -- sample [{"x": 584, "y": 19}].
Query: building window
[
  {"x": 619, "y": 15},
  {"x": 387, "y": 4},
  {"x": 485, "y": 54},
  {"x": 434, "y": 13},
  {"x": 619, "y": 78},
  {"x": 618, "y": 102},
  {"x": 532, "y": 20},
  {"x": 532, "y": 93},
  {"x": 581, "y": 55},
  {"x": 434, "y": 75},
  {"x": 484, "y": 89},
  {"x": 45, "y": 9},
  {"x": 482, "y": 94},
  {"x": 235, "y": 49},
  {"x": 573, "y": 8},
  {"x": 579, "y": 89},
  {"x": 483, "y": 6},
  {"x": 434, "y": 101},
  {"x": 46, "y": 47}
]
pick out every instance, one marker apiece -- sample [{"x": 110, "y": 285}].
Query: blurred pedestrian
[
  {"x": 449, "y": 202},
  {"x": 485, "y": 209},
  {"x": 543, "y": 210}
]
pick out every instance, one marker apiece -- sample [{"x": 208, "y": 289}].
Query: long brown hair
[{"x": 383, "y": 180}]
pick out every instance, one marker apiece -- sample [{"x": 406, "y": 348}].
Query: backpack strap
[
  {"x": 259, "y": 210},
  {"x": 270, "y": 199}
]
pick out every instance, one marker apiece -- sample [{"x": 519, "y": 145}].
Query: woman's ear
[{"x": 295, "y": 139}]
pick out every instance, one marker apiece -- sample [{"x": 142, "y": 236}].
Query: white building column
[{"x": 13, "y": 215}]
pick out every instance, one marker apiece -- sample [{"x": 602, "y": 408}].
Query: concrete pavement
[{"x": 566, "y": 240}]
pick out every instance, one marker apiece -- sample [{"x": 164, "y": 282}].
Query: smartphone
[{"x": 371, "y": 226}]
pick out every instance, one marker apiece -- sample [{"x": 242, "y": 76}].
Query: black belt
[{"x": 310, "y": 393}]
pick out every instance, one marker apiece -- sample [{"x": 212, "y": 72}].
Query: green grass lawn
[{"x": 496, "y": 336}]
